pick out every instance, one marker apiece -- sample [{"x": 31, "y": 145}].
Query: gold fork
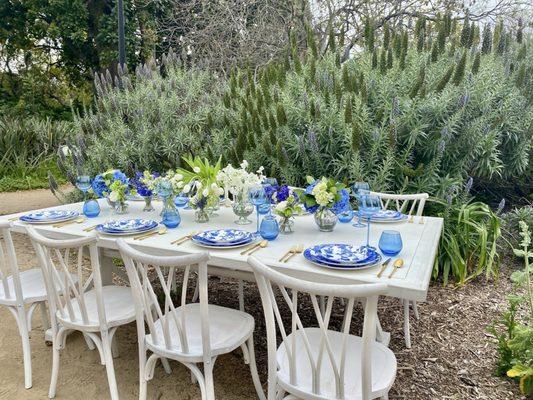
[
  {"x": 78, "y": 220},
  {"x": 183, "y": 239},
  {"x": 299, "y": 250},
  {"x": 90, "y": 228},
  {"x": 160, "y": 231},
  {"x": 290, "y": 251},
  {"x": 262, "y": 245}
]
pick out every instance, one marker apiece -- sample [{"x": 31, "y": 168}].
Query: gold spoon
[
  {"x": 262, "y": 245},
  {"x": 397, "y": 265},
  {"x": 289, "y": 252},
  {"x": 160, "y": 231},
  {"x": 183, "y": 239},
  {"x": 299, "y": 249},
  {"x": 78, "y": 220}
]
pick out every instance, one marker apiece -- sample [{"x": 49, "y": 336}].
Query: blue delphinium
[
  {"x": 142, "y": 189},
  {"x": 270, "y": 191},
  {"x": 282, "y": 193}
]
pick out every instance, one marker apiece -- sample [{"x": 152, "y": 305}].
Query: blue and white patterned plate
[
  {"x": 49, "y": 216},
  {"x": 127, "y": 226},
  {"x": 340, "y": 253},
  {"x": 386, "y": 216},
  {"x": 223, "y": 236},
  {"x": 211, "y": 245},
  {"x": 373, "y": 259}
]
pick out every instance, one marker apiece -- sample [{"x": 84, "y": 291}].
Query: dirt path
[
  {"x": 12, "y": 202},
  {"x": 451, "y": 356}
]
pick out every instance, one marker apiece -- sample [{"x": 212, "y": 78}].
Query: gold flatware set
[
  {"x": 398, "y": 263},
  {"x": 185, "y": 238},
  {"x": 160, "y": 231},
  {"x": 255, "y": 247},
  {"x": 296, "y": 249}
]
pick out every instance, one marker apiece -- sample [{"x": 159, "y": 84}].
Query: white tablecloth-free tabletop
[{"x": 420, "y": 242}]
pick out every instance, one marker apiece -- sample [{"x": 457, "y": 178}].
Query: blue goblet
[
  {"x": 83, "y": 182},
  {"x": 347, "y": 214},
  {"x": 258, "y": 198},
  {"x": 369, "y": 205},
  {"x": 358, "y": 189}
]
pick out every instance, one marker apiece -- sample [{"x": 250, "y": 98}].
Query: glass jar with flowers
[
  {"x": 166, "y": 187},
  {"x": 287, "y": 206},
  {"x": 143, "y": 190},
  {"x": 238, "y": 182},
  {"x": 114, "y": 185},
  {"x": 201, "y": 183},
  {"x": 325, "y": 198}
]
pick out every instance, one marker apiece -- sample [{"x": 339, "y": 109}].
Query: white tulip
[
  {"x": 196, "y": 169},
  {"x": 205, "y": 193},
  {"x": 186, "y": 188}
]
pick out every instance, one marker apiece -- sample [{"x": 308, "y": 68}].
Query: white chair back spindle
[
  {"x": 410, "y": 204},
  {"x": 324, "y": 347},
  {"x": 66, "y": 296},
  {"x": 149, "y": 309},
  {"x": 9, "y": 266}
]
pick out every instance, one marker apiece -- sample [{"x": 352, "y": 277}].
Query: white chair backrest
[
  {"x": 9, "y": 265},
  {"x": 166, "y": 268},
  {"x": 410, "y": 204},
  {"x": 292, "y": 290},
  {"x": 56, "y": 257}
]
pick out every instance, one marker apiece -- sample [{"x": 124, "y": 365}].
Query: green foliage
[
  {"x": 487, "y": 40},
  {"x": 468, "y": 246},
  {"x": 515, "y": 338},
  {"x": 460, "y": 70}
]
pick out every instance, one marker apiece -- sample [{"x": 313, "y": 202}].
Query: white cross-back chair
[
  {"x": 191, "y": 333},
  {"x": 81, "y": 304},
  {"x": 412, "y": 205},
  {"x": 321, "y": 362},
  {"x": 21, "y": 292}
]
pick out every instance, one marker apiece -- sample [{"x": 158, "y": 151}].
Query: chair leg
[
  {"x": 253, "y": 369},
  {"x": 241, "y": 295},
  {"x": 114, "y": 347},
  {"x": 110, "y": 369},
  {"x": 209, "y": 384},
  {"x": 415, "y": 310},
  {"x": 406, "y": 327},
  {"x": 26, "y": 349},
  {"x": 196, "y": 293},
  {"x": 44, "y": 316},
  {"x": 143, "y": 384},
  {"x": 55, "y": 369}
]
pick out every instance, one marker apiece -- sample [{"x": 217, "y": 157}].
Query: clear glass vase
[
  {"x": 325, "y": 219},
  {"x": 201, "y": 215},
  {"x": 121, "y": 207},
  {"x": 242, "y": 208},
  {"x": 286, "y": 225},
  {"x": 148, "y": 204},
  {"x": 170, "y": 216}
]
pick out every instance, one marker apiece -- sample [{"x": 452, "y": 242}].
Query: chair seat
[
  {"x": 383, "y": 366},
  {"x": 119, "y": 309},
  {"x": 228, "y": 329},
  {"x": 32, "y": 284}
]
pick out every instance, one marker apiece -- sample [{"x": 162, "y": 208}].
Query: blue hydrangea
[
  {"x": 141, "y": 188},
  {"x": 99, "y": 186},
  {"x": 341, "y": 204},
  {"x": 270, "y": 190},
  {"x": 283, "y": 193}
]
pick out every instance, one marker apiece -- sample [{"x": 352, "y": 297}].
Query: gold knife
[{"x": 383, "y": 267}]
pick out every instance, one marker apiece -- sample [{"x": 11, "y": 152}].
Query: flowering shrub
[{"x": 325, "y": 192}]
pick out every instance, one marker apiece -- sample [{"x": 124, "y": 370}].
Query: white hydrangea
[{"x": 322, "y": 196}]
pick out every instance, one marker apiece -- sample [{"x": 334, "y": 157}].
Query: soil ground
[{"x": 452, "y": 357}]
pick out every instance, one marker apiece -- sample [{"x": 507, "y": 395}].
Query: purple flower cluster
[{"x": 142, "y": 189}]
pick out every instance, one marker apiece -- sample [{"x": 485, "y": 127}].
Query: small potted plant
[{"x": 325, "y": 198}]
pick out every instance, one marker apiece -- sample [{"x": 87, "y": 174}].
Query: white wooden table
[{"x": 420, "y": 243}]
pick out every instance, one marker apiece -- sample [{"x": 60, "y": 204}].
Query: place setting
[
  {"x": 49, "y": 217},
  {"x": 127, "y": 227},
  {"x": 223, "y": 238}
]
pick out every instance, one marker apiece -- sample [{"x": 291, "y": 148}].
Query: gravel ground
[{"x": 452, "y": 355}]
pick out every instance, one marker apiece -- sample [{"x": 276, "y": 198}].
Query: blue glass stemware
[
  {"x": 269, "y": 228},
  {"x": 181, "y": 200},
  {"x": 358, "y": 189},
  {"x": 347, "y": 214},
  {"x": 368, "y": 206},
  {"x": 390, "y": 243},
  {"x": 83, "y": 182},
  {"x": 258, "y": 198}
]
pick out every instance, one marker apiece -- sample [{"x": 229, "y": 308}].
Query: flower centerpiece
[
  {"x": 325, "y": 198},
  {"x": 238, "y": 181},
  {"x": 201, "y": 182},
  {"x": 114, "y": 185},
  {"x": 166, "y": 186},
  {"x": 143, "y": 190},
  {"x": 287, "y": 206}
]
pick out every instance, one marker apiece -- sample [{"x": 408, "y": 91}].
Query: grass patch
[{"x": 23, "y": 177}]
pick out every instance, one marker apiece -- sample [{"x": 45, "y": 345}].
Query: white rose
[
  {"x": 281, "y": 206},
  {"x": 113, "y": 196}
]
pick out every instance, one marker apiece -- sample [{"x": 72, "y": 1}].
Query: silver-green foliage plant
[
  {"x": 398, "y": 126},
  {"x": 149, "y": 120}
]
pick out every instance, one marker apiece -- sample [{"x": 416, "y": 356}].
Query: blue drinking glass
[
  {"x": 368, "y": 206},
  {"x": 91, "y": 208},
  {"x": 390, "y": 243},
  {"x": 171, "y": 218},
  {"x": 269, "y": 228},
  {"x": 347, "y": 214},
  {"x": 258, "y": 198},
  {"x": 358, "y": 189}
]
